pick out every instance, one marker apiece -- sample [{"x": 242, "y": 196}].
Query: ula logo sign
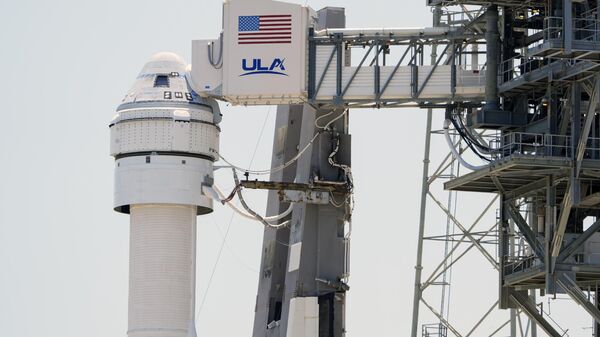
[{"x": 259, "y": 66}]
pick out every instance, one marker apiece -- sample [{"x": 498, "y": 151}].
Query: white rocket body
[{"x": 164, "y": 139}]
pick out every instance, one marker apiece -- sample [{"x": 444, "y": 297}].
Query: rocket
[{"x": 164, "y": 139}]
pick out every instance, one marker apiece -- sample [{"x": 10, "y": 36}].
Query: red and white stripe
[{"x": 274, "y": 29}]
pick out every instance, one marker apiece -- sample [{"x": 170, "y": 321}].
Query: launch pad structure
[{"x": 519, "y": 84}]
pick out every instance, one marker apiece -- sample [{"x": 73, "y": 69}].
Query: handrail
[{"x": 536, "y": 145}]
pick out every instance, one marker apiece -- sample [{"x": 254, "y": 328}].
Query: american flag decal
[{"x": 265, "y": 29}]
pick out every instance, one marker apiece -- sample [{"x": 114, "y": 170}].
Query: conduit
[
  {"x": 216, "y": 194},
  {"x": 455, "y": 153}
]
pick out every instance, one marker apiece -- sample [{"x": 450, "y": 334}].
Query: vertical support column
[
  {"x": 422, "y": 213},
  {"x": 437, "y": 14},
  {"x": 550, "y": 223},
  {"x": 414, "y": 72},
  {"x": 532, "y": 321},
  {"x": 339, "y": 45},
  {"x": 511, "y": 254},
  {"x": 503, "y": 254},
  {"x": 575, "y": 136},
  {"x": 312, "y": 62},
  {"x": 492, "y": 38},
  {"x": 597, "y": 302},
  {"x": 269, "y": 300},
  {"x": 568, "y": 25},
  {"x": 285, "y": 295},
  {"x": 316, "y": 264}
]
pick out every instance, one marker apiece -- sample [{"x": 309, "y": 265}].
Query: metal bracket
[{"x": 308, "y": 197}]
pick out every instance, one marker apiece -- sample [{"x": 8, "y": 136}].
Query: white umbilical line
[
  {"x": 297, "y": 156},
  {"x": 212, "y": 274},
  {"x": 347, "y": 170},
  {"x": 253, "y": 213},
  {"x": 276, "y": 169},
  {"x": 221, "y": 199}
]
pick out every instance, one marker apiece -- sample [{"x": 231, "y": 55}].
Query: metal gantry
[
  {"x": 528, "y": 111},
  {"x": 538, "y": 131}
]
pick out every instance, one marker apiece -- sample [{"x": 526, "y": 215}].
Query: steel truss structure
[
  {"x": 529, "y": 112},
  {"x": 538, "y": 129}
]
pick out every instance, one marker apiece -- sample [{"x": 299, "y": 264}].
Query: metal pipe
[
  {"x": 417, "y": 293},
  {"x": 455, "y": 153},
  {"x": 492, "y": 38},
  {"x": 399, "y": 32},
  {"x": 424, "y": 191}
]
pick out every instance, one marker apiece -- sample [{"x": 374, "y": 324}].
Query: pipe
[
  {"x": 492, "y": 53},
  {"x": 399, "y": 32},
  {"x": 453, "y": 149},
  {"x": 216, "y": 194}
]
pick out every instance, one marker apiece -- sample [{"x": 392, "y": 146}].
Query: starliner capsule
[{"x": 164, "y": 139}]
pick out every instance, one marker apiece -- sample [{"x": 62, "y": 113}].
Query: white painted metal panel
[
  {"x": 303, "y": 318},
  {"x": 279, "y": 83},
  {"x": 162, "y": 179},
  {"x": 206, "y": 79},
  {"x": 295, "y": 254},
  {"x": 178, "y": 130},
  {"x": 469, "y": 83},
  {"x": 161, "y": 267}
]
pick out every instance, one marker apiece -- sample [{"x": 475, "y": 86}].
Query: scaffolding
[{"x": 537, "y": 132}]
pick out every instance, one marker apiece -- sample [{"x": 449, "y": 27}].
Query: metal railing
[
  {"x": 518, "y": 66},
  {"x": 459, "y": 18},
  {"x": 531, "y": 144},
  {"x": 470, "y": 75},
  {"x": 535, "y": 144},
  {"x": 585, "y": 29},
  {"x": 553, "y": 28},
  {"x": 519, "y": 264},
  {"x": 434, "y": 330}
]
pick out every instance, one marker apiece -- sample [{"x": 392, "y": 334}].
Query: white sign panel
[{"x": 265, "y": 45}]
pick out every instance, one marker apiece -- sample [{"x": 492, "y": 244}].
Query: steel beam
[
  {"x": 483, "y": 251},
  {"x": 442, "y": 319},
  {"x": 572, "y": 247},
  {"x": 417, "y": 293},
  {"x": 565, "y": 210},
  {"x": 589, "y": 118},
  {"x": 578, "y": 296},
  {"x": 568, "y": 25},
  {"x": 482, "y": 319},
  {"x": 528, "y": 234},
  {"x": 530, "y": 309}
]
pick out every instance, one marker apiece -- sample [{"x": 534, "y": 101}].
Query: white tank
[{"x": 165, "y": 139}]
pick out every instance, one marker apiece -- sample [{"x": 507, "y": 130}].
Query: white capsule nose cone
[
  {"x": 164, "y": 63},
  {"x": 167, "y": 56},
  {"x": 162, "y": 79}
]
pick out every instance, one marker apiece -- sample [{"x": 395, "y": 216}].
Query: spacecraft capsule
[{"x": 164, "y": 139}]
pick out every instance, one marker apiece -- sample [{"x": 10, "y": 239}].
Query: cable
[
  {"x": 453, "y": 149},
  {"x": 218, "y": 196},
  {"x": 467, "y": 133},
  {"x": 230, "y": 196},
  {"x": 467, "y": 140},
  {"x": 297, "y": 156},
  {"x": 219, "y": 63},
  {"x": 231, "y": 251},
  {"x": 326, "y": 127},
  {"x": 275, "y": 169},
  {"x": 214, "y": 269},
  {"x": 249, "y": 210}
]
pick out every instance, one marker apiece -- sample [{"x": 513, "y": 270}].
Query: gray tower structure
[
  {"x": 304, "y": 267},
  {"x": 537, "y": 132}
]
